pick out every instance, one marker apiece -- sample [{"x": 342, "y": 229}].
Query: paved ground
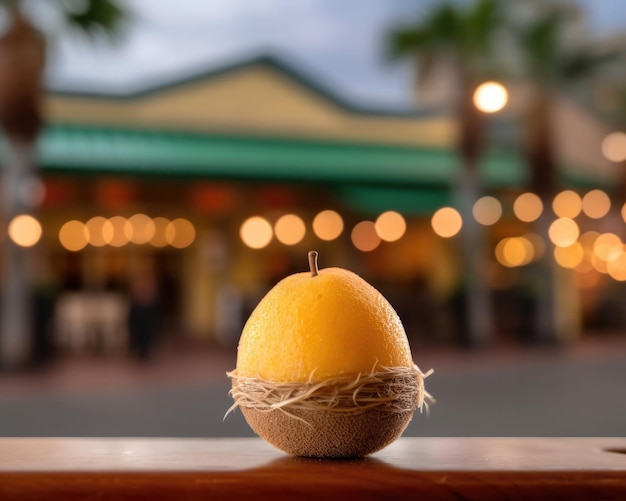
[{"x": 580, "y": 391}]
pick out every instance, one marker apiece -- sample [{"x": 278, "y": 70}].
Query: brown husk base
[
  {"x": 337, "y": 417},
  {"x": 326, "y": 434}
]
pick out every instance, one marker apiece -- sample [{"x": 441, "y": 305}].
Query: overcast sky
[{"x": 337, "y": 42}]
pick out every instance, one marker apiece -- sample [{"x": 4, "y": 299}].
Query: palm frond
[
  {"x": 404, "y": 41},
  {"x": 540, "y": 43},
  {"x": 445, "y": 25},
  {"x": 583, "y": 63},
  {"x": 99, "y": 17},
  {"x": 481, "y": 22},
  {"x": 438, "y": 32}
]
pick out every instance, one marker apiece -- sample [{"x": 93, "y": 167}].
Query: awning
[
  {"x": 374, "y": 200},
  {"x": 102, "y": 151}
]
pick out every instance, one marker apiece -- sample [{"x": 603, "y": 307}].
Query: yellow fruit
[
  {"x": 324, "y": 366},
  {"x": 331, "y": 324}
]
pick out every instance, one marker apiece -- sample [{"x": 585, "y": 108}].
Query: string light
[
  {"x": 446, "y": 222},
  {"x": 567, "y": 204},
  {"x": 328, "y": 225},
  {"x": 614, "y": 147},
  {"x": 289, "y": 229},
  {"x": 390, "y": 226},
  {"x": 528, "y": 207},
  {"x": 256, "y": 232},
  {"x": 490, "y": 97},
  {"x": 563, "y": 232},
  {"x": 74, "y": 236},
  {"x": 24, "y": 230},
  {"x": 364, "y": 236},
  {"x": 596, "y": 204},
  {"x": 487, "y": 210}
]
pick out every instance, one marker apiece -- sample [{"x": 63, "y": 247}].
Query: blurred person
[
  {"x": 143, "y": 315},
  {"x": 45, "y": 294},
  {"x": 229, "y": 320}
]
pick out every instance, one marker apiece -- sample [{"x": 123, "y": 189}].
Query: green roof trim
[
  {"x": 102, "y": 151},
  {"x": 410, "y": 201},
  {"x": 99, "y": 151}
]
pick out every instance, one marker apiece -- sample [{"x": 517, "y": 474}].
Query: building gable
[{"x": 261, "y": 97}]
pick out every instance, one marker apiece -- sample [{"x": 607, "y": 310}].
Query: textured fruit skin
[
  {"x": 328, "y": 434},
  {"x": 311, "y": 328}
]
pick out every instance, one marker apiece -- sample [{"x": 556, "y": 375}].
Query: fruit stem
[{"x": 313, "y": 263}]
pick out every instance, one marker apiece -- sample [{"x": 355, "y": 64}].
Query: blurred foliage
[
  {"x": 92, "y": 17},
  {"x": 464, "y": 35},
  {"x": 98, "y": 16},
  {"x": 547, "y": 55}
]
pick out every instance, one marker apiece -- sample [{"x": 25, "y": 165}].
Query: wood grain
[{"x": 434, "y": 468}]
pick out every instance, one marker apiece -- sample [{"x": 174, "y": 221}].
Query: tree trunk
[
  {"x": 22, "y": 59},
  {"x": 555, "y": 317},
  {"x": 16, "y": 320},
  {"x": 479, "y": 318}
]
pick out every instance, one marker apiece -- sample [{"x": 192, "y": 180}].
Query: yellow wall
[{"x": 256, "y": 99}]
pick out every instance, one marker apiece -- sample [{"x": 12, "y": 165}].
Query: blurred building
[{"x": 160, "y": 181}]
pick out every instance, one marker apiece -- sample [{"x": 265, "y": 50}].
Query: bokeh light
[
  {"x": 607, "y": 246},
  {"x": 74, "y": 236},
  {"x": 446, "y": 222},
  {"x": 585, "y": 264},
  {"x": 614, "y": 147},
  {"x": 563, "y": 232},
  {"x": 328, "y": 225},
  {"x": 180, "y": 233},
  {"x": 159, "y": 239},
  {"x": 616, "y": 268},
  {"x": 490, "y": 97},
  {"x": 139, "y": 229},
  {"x": 24, "y": 230},
  {"x": 569, "y": 257},
  {"x": 596, "y": 204},
  {"x": 588, "y": 239},
  {"x": 567, "y": 204},
  {"x": 598, "y": 264},
  {"x": 528, "y": 207},
  {"x": 364, "y": 236},
  {"x": 256, "y": 232},
  {"x": 514, "y": 251},
  {"x": 289, "y": 229},
  {"x": 96, "y": 229},
  {"x": 390, "y": 226},
  {"x": 117, "y": 236},
  {"x": 108, "y": 232},
  {"x": 487, "y": 210}
]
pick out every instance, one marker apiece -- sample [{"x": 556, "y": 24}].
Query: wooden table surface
[{"x": 434, "y": 468}]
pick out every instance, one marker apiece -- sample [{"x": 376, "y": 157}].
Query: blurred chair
[
  {"x": 85, "y": 320},
  {"x": 110, "y": 313},
  {"x": 71, "y": 318}
]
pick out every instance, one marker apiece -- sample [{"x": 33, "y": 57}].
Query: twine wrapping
[{"x": 392, "y": 389}]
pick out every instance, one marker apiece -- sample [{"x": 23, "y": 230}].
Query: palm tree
[
  {"x": 465, "y": 40},
  {"x": 550, "y": 65},
  {"x": 22, "y": 65}
]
